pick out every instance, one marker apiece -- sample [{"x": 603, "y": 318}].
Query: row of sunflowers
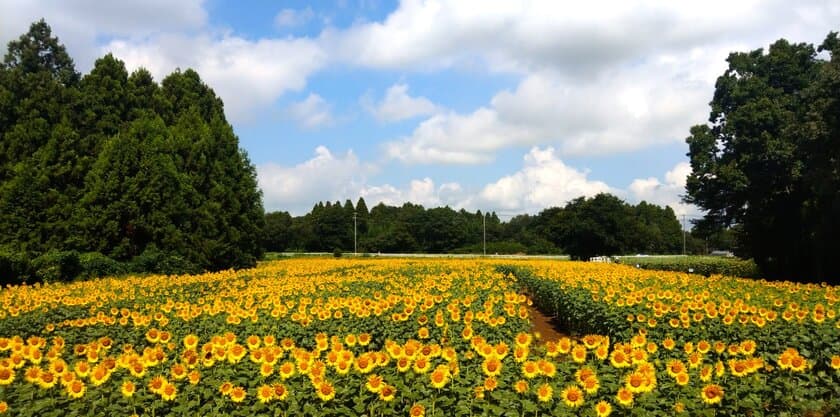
[{"x": 430, "y": 337}]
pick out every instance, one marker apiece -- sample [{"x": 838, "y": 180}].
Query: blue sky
[{"x": 492, "y": 105}]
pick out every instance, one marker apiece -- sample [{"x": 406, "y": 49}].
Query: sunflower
[
  {"x": 798, "y": 363},
  {"x": 492, "y": 366},
  {"x": 237, "y": 394},
  {"x": 572, "y": 396},
  {"x": 835, "y": 362},
  {"x": 530, "y": 369},
  {"x": 7, "y": 376},
  {"x": 591, "y": 384},
  {"x": 520, "y": 386},
  {"x": 417, "y": 410},
  {"x": 128, "y": 388},
  {"x": 547, "y": 368},
  {"x": 403, "y": 364},
  {"x": 253, "y": 342},
  {"x": 603, "y": 409},
  {"x": 579, "y": 353},
  {"x": 287, "y": 369},
  {"x": 618, "y": 359},
  {"x": 523, "y": 339},
  {"x": 421, "y": 365},
  {"x": 387, "y": 393},
  {"x": 682, "y": 379},
  {"x": 711, "y": 394},
  {"x": 637, "y": 383},
  {"x": 374, "y": 383},
  {"x": 625, "y": 397},
  {"x": 156, "y": 384},
  {"x": 674, "y": 367},
  {"x": 440, "y": 376},
  {"x": 265, "y": 393},
  {"x": 280, "y": 392},
  {"x": 193, "y": 377},
  {"x": 82, "y": 369},
  {"x": 46, "y": 380},
  {"x": 544, "y": 392},
  {"x": 326, "y": 391},
  {"x": 169, "y": 392},
  {"x": 226, "y": 388},
  {"x": 76, "y": 389}
]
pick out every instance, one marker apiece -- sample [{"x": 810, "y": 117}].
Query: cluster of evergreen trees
[
  {"x": 113, "y": 170},
  {"x": 601, "y": 225}
]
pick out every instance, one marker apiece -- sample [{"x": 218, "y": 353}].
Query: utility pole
[
  {"x": 484, "y": 232},
  {"x": 355, "y": 250},
  {"x": 683, "y": 227}
]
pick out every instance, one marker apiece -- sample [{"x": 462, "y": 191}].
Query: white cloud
[
  {"x": 291, "y": 17},
  {"x": 423, "y": 192},
  {"x": 544, "y": 181},
  {"x": 665, "y": 193},
  {"x": 619, "y": 112},
  {"x": 249, "y": 75},
  {"x": 312, "y": 112},
  {"x": 324, "y": 177},
  {"x": 581, "y": 38},
  {"x": 79, "y": 23},
  {"x": 398, "y": 105}
]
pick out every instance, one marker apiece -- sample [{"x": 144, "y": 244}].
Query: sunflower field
[{"x": 430, "y": 337}]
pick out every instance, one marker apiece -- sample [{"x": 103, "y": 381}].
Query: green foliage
[
  {"x": 767, "y": 161},
  {"x": 702, "y": 265},
  {"x": 95, "y": 265},
  {"x": 155, "y": 261},
  {"x": 115, "y": 163},
  {"x": 57, "y": 266},
  {"x": 14, "y": 267},
  {"x": 337, "y": 253}
]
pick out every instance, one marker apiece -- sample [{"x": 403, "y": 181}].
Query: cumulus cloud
[
  {"x": 665, "y": 193},
  {"x": 78, "y": 27},
  {"x": 287, "y": 18},
  {"x": 575, "y": 38},
  {"x": 398, "y": 105},
  {"x": 617, "y": 113},
  {"x": 544, "y": 181},
  {"x": 249, "y": 75},
  {"x": 311, "y": 113},
  {"x": 422, "y": 191},
  {"x": 325, "y": 176}
]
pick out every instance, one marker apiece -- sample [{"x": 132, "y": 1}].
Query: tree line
[
  {"x": 115, "y": 171},
  {"x": 583, "y": 228}
]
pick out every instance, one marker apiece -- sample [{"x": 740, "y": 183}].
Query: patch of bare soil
[{"x": 548, "y": 328}]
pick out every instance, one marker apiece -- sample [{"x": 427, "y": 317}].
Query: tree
[
  {"x": 120, "y": 165},
  {"x": 277, "y": 234},
  {"x": 766, "y": 161},
  {"x": 38, "y": 51}
]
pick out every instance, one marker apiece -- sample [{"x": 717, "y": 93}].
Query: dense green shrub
[
  {"x": 702, "y": 265},
  {"x": 155, "y": 261},
  {"x": 95, "y": 264},
  {"x": 14, "y": 267},
  {"x": 54, "y": 266}
]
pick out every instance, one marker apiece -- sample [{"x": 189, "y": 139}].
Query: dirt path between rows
[{"x": 547, "y": 327}]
